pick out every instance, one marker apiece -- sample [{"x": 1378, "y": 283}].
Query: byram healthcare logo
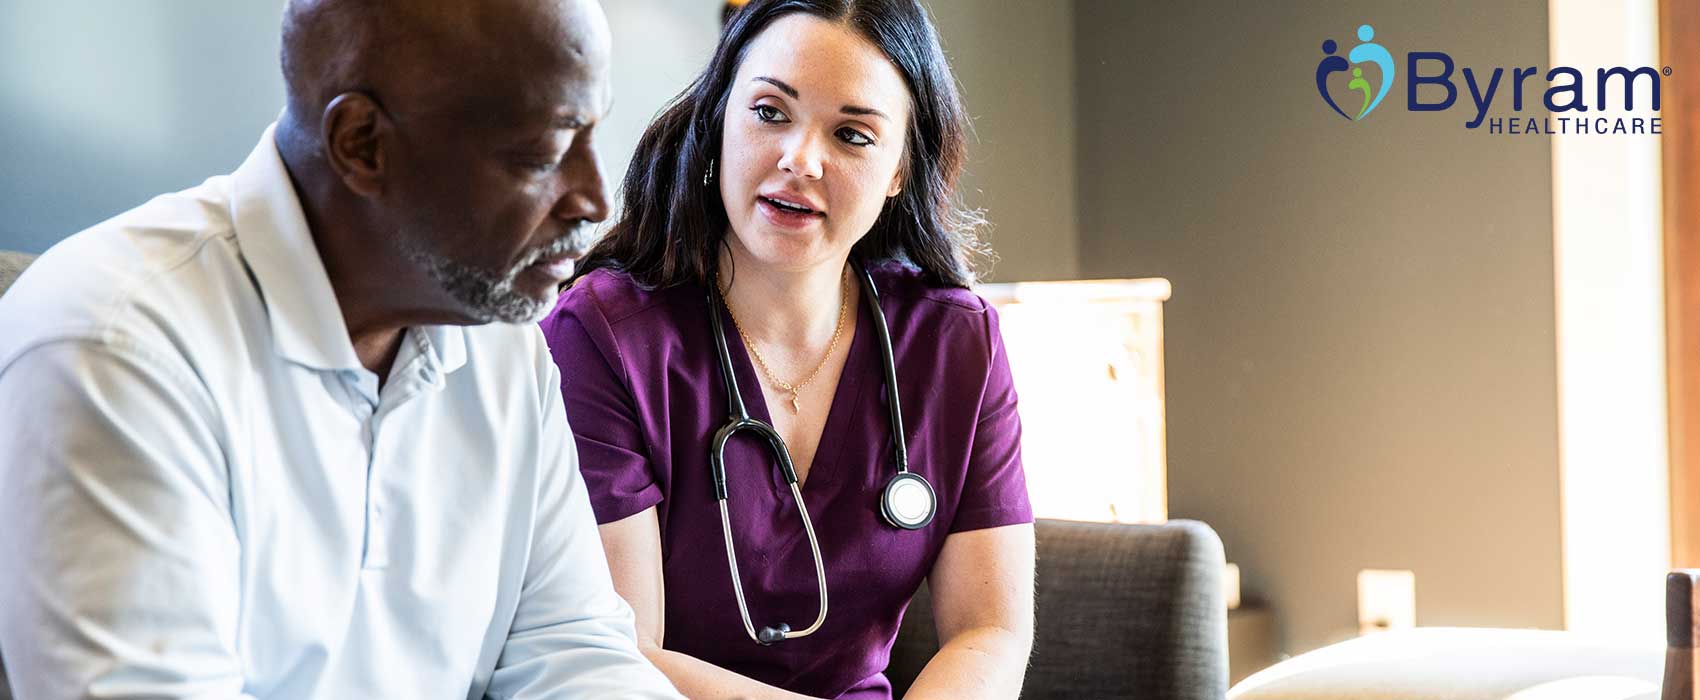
[
  {"x": 1355, "y": 84},
  {"x": 1364, "y": 53}
]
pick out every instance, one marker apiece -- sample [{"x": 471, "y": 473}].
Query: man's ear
[{"x": 356, "y": 131}]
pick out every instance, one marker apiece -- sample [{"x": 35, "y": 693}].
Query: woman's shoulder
[
  {"x": 615, "y": 298},
  {"x": 908, "y": 286},
  {"x": 608, "y": 304},
  {"x": 950, "y": 315}
]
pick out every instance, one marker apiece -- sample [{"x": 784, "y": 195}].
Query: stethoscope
[{"x": 906, "y": 503}]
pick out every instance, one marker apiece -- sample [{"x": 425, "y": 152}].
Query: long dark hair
[{"x": 672, "y": 224}]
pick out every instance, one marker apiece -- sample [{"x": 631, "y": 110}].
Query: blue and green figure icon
[
  {"x": 1365, "y": 52},
  {"x": 1358, "y": 83}
]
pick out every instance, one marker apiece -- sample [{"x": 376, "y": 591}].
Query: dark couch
[{"x": 1124, "y": 612}]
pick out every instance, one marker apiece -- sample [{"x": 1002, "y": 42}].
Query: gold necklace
[{"x": 843, "y": 307}]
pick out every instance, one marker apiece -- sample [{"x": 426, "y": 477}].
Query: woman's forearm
[
  {"x": 984, "y": 663},
  {"x": 701, "y": 680}
]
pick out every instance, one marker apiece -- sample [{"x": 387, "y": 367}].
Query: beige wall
[
  {"x": 1015, "y": 62},
  {"x": 647, "y": 78},
  {"x": 1361, "y": 341}
]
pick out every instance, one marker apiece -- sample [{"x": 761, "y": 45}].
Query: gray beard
[
  {"x": 491, "y": 297},
  {"x": 488, "y": 297}
]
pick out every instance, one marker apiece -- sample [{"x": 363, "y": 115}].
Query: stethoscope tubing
[
  {"x": 740, "y": 420},
  {"x": 894, "y": 413}
]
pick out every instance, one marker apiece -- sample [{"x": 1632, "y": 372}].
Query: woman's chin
[{"x": 788, "y": 250}]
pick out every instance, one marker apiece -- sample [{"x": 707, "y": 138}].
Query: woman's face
[{"x": 814, "y": 137}]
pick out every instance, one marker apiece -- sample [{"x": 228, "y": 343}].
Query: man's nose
[{"x": 585, "y": 194}]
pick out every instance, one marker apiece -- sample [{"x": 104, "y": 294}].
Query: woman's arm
[
  {"x": 633, "y": 546},
  {"x": 982, "y": 586}
]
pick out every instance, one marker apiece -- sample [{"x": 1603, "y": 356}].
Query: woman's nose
[{"x": 802, "y": 157}]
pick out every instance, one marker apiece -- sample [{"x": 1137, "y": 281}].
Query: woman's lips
[{"x": 784, "y": 217}]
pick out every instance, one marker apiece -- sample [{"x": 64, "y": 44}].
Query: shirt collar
[
  {"x": 306, "y": 320},
  {"x": 447, "y": 346}
]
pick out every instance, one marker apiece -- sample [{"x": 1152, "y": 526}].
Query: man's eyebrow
[
  {"x": 569, "y": 122},
  {"x": 783, "y": 87}
]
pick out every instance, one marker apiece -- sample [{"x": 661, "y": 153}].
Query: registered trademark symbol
[{"x": 1667, "y": 71}]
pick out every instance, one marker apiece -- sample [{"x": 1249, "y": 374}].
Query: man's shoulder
[{"x": 166, "y": 272}]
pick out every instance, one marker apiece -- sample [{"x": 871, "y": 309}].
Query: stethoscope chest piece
[{"x": 908, "y": 501}]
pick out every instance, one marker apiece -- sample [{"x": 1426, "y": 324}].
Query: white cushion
[{"x": 1445, "y": 663}]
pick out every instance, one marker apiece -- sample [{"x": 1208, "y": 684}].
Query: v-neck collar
[{"x": 846, "y": 399}]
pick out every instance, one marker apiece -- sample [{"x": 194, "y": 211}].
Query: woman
[{"x": 817, "y": 153}]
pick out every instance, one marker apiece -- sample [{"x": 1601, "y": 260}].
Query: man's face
[{"x": 495, "y": 193}]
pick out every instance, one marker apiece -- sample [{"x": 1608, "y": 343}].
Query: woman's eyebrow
[
  {"x": 783, "y": 87},
  {"x": 853, "y": 110}
]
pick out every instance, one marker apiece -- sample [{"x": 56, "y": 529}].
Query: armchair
[{"x": 1124, "y": 612}]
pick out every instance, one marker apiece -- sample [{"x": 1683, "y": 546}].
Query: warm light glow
[
  {"x": 1609, "y": 275},
  {"x": 1450, "y": 662},
  {"x": 1088, "y": 365},
  {"x": 1231, "y": 585},
  {"x": 1591, "y": 687},
  {"x": 1387, "y": 600}
]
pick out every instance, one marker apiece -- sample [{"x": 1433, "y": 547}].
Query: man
[{"x": 255, "y": 440}]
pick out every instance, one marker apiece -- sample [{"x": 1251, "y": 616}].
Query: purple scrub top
[{"x": 644, "y": 397}]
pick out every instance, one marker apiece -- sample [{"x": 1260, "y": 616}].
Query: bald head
[
  {"x": 442, "y": 149},
  {"x": 435, "y": 56}
]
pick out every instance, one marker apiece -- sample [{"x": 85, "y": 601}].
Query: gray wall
[
  {"x": 107, "y": 103},
  {"x": 1360, "y": 347},
  {"x": 110, "y": 102}
]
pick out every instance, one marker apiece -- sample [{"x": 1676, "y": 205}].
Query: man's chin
[
  {"x": 520, "y": 309},
  {"x": 521, "y": 297},
  {"x": 513, "y": 304}
]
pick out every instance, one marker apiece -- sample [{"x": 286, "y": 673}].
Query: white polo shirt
[{"x": 204, "y": 494}]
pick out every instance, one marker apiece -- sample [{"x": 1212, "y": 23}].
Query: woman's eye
[
  {"x": 854, "y": 137},
  {"x": 768, "y": 113}
]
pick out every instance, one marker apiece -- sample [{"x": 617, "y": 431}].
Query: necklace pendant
[{"x": 795, "y": 409}]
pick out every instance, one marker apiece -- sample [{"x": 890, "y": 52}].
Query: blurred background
[{"x": 1390, "y": 344}]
